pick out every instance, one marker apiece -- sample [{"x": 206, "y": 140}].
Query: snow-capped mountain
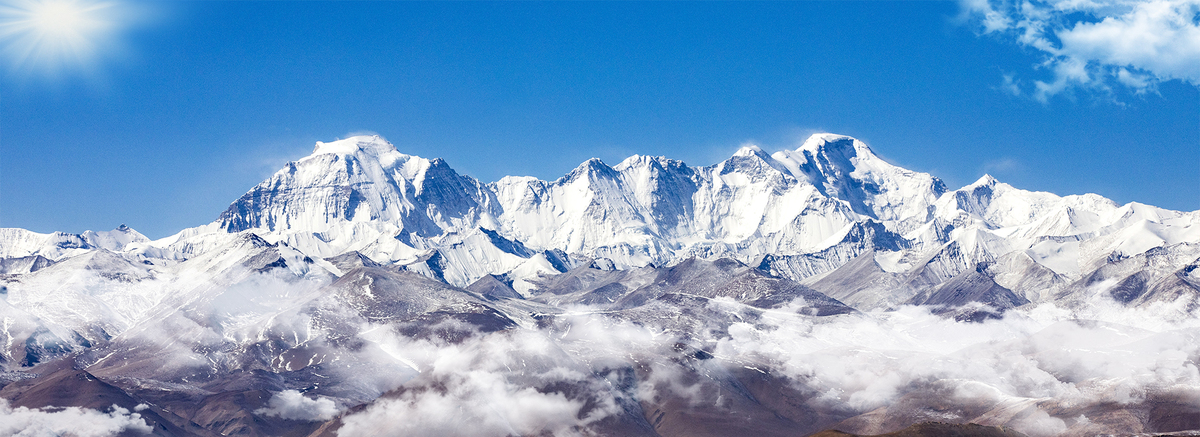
[
  {"x": 797, "y": 213},
  {"x": 18, "y": 243},
  {"x": 352, "y": 260}
]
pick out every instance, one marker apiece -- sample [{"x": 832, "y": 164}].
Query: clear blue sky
[{"x": 178, "y": 109}]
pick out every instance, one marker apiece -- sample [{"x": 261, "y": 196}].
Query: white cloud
[
  {"x": 1024, "y": 365},
  {"x": 501, "y": 383},
  {"x": 1140, "y": 82},
  {"x": 1159, "y": 36},
  {"x": 1091, "y": 43},
  {"x": 477, "y": 403},
  {"x": 1069, "y": 72},
  {"x": 291, "y": 405},
  {"x": 72, "y": 421},
  {"x": 1038, "y": 423},
  {"x": 858, "y": 363}
]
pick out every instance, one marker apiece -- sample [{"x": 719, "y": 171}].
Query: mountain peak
[
  {"x": 986, "y": 181},
  {"x": 592, "y": 165},
  {"x": 645, "y": 160},
  {"x": 749, "y": 157},
  {"x": 373, "y": 144},
  {"x": 842, "y": 145},
  {"x": 748, "y": 150}
]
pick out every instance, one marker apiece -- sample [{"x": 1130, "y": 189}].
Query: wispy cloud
[
  {"x": 1095, "y": 44},
  {"x": 361, "y": 132},
  {"x": 1011, "y": 85},
  {"x": 1002, "y": 165}
]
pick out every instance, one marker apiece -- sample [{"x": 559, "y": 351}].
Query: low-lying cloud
[
  {"x": 1033, "y": 370},
  {"x": 292, "y": 405},
  {"x": 72, "y": 421},
  {"x": 518, "y": 382},
  {"x": 1022, "y": 371}
]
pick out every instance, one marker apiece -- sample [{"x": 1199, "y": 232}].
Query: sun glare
[
  {"x": 58, "y": 18},
  {"x": 47, "y": 36}
]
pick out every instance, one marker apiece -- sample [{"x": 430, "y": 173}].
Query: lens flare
[{"x": 47, "y": 36}]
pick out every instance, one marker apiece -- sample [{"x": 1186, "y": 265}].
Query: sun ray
[{"x": 47, "y": 36}]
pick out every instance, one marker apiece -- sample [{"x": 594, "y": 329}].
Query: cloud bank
[
  {"x": 1094, "y": 44},
  {"x": 72, "y": 421},
  {"x": 1040, "y": 371},
  {"x": 520, "y": 382}
]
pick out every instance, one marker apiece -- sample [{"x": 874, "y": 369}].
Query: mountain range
[{"x": 625, "y": 300}]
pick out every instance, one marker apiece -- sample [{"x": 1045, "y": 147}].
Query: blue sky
[{"x": 162, "y": 114}]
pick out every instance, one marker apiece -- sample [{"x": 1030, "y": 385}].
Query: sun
[
  {"x": 45, "y": 36},
  {"x": 59, "y": 18}
]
